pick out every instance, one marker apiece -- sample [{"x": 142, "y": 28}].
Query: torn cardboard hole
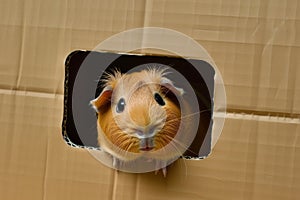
[{"x": 83, "y": 71}]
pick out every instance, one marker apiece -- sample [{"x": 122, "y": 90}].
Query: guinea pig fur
[{"x": 138, "y": 115}]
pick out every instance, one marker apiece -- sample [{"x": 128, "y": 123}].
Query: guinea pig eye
[
  {"x": 120, "y": 106},
  {"x": 159, "y": 99}
]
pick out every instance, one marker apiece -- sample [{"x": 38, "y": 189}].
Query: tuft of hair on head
[
  {"x": 110, "y": 78},
  {"x": 156, "y": 73}
]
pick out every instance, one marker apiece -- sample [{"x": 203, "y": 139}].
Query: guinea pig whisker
[
  {"x": 176, "y": 148},
  {"x": 119, "y": 139},
  {"x": 189, "y": 115},
  {"x": 180, "y": 143},
  {"x": 171, "y": 124},
  {"x": 176, "y": 141},
  {"x": 130, "y": 144},
  {"x": 161, "y": 142},
  {"x": 179, "y": 152},
  {"x": 195, "y": 113},
  {"x": 183, "y": 166},
  {"x": 127, "y": 147}
]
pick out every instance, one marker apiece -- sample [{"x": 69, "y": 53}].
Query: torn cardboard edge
[{"x": 125, "y": 62}]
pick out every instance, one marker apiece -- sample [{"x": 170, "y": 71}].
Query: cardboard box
[{"x": 255, "y": 44}]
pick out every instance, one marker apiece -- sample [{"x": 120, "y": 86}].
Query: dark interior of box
[{"x": 201, "y": 145}]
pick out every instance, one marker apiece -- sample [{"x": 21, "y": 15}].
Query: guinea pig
[{"x": 139, "y": 114}]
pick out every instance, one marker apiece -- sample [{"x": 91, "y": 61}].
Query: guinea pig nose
[
  {"x": 145, "y": 133},
  {"x": 151, "y": 131},
  {"x": 140, "y": 133}
]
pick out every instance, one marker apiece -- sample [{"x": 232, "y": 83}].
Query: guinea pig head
[{"x": 137, "y": 112}]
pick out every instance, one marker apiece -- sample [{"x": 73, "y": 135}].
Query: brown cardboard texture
[{"x": 255, "y": 44}]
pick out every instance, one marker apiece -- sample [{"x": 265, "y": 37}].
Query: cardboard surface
[
  {"x": 255, "y": 158},
  {"x": 255, "y": 44},
  {"x": 254, "y": 47}
]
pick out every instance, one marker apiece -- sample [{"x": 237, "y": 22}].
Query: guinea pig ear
[
  {"x": 103, "y": 99},
  {"x": 170, "y": 86}
]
